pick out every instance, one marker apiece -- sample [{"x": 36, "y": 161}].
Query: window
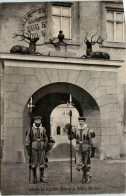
[
  {"x": 61, "y": 20},
  {"x": 58, "y": 130},
  {"x": 115, "y": 26}
]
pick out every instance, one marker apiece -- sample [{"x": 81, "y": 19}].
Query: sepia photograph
[{"x": 63, "y": 97}]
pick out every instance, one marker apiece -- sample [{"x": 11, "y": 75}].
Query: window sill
[
  {"x": 66, "y": 4},
  {"x": 117, "y": 45},
  {"x": 72, "y": 42},
  {"x": 69, "y": 41}
]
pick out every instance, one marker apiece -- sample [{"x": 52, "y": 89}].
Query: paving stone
[{"x": 103, "y": 173}]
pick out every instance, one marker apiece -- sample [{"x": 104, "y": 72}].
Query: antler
[
  {"x": 92, "y": 38},
  {"x": 102, "y": 41},
  {"x": 16, "y": 35},
  {"x": 86, "y": 38},
  {"x": 49, "y": 42},
  {"x": 98, "y": 41},
  {"x": 29, "y": 35},
  {"x": 22, "y": 36}
]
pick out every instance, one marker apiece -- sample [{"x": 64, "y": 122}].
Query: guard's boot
[
  {"x": 34, "y": 176},
  {"x": 84, "y": 175},
  {"x": 83, "y": 180},
  {"x": 88, "y": 179},
  {"x": 42, "y": 178}
]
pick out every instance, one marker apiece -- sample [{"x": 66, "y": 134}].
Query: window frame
[
  {"x": 115, "y": 21},
  {"x": 61, "y": 5}
]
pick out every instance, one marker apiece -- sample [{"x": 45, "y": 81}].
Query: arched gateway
[
  {"x": 94, "y": 93},
  {"x": 50, "y": 96}
]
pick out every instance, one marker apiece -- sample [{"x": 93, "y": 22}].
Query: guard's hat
[
  {"x": 82, "y": 118},
  {"x": 37, "y": 118}
]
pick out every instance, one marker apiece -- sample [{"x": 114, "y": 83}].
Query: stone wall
[
  {"x": 22, "y": 82},
  {"x": 123, "y": 123},
  {"x": 24, "y": 76},
  {"x": 86, "y": 17}
]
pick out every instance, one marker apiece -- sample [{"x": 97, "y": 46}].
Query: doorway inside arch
[
  {"x": 58, "y": 119},
  {"x": 58, "y": 130}
]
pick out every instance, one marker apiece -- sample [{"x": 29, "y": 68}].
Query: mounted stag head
[
  {"x": 22, "y": 49},
  {"x": 89, "y": 51}
]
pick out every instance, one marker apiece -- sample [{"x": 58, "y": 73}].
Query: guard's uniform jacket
[
  {"x": 84, "y": 141},
  {"x": 39, "y": 143}
]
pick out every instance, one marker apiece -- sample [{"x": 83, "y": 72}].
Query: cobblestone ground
[{"x": 106, "y": 178}]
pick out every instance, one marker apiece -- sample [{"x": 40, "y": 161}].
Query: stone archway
[
  {"x": 100, "y": 85},
  {"x": 52, "y": 95}
]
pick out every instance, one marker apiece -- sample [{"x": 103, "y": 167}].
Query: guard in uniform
[
  {"x": 84, "y": 145},
  {"x": 39, "y": 143}
]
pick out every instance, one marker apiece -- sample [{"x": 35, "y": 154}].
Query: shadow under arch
[{"x": 50, "y": 96}]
